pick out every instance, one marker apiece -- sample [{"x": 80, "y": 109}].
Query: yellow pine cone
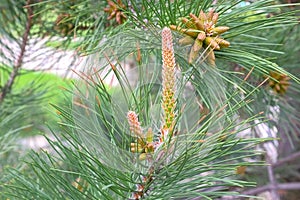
[
  {"x": 211, "y": 42},
  {"x": 199, "y": 23},
  {"x": 222, "y": 43},
  {"x": 219, "y": 30},
  {"x": 191, "y": 32},
  {"x": 187, "y": 23}
]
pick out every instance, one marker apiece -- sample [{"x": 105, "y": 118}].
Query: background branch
[
  {"x": 7, "y": 87},
  {"x": 273, "y": 183},
  {"x": 286, "y": 159},
  {"x": 282, "y": 186}
]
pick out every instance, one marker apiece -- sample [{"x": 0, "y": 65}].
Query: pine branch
[
  {"x": 7, "y": 87},
  {"x": 93, "y": 158}
]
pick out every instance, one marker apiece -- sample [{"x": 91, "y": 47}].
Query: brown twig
[
  {"x": 287, "y": 159},
  {"x": 281, "y": 186},
  {"x": 7, "y": 87},
  {"x": 261, "y": 189}
]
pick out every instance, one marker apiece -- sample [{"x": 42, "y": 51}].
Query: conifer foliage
[{"x": 175, "y": 130}]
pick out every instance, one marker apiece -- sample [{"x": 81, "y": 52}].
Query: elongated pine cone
[
  {"x": 135, "y": 126},
  {"x": 169, "y": 79}
]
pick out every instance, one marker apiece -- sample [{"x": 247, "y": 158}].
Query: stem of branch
[
  {"x": 273, "y": 190},
  {"x": 7, "y": 87}
]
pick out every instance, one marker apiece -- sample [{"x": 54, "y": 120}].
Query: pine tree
[{"x": 204, "y": 74}]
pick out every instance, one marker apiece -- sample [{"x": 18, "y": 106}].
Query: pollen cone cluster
[
  {"x": 63, "y": 24},
  {"x": 168, "y": 82},
  {"x": 115, "y": 11},
  {"x": 280, "y": 84},
  {"x": 201, "y": 31}
]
